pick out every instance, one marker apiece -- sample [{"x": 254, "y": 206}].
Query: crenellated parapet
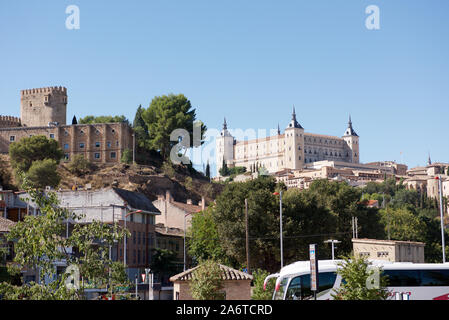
[
  {"x": 9, "y": 122},
  {"x": 49, "y": 90}
]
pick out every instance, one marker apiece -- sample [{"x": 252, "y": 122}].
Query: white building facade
[{"x": 293, "y": 149}]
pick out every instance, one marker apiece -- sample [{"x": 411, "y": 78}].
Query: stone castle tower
[
  {"x": 225, "y": 147},
  {"x": 43, "y": 106},
  {"x": 294, "y": 144},
  {"x": 352, "y": 141}
]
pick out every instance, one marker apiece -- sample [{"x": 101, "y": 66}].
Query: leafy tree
[
  {"x": 259, "y": 292},
  {"x": 403, "y": 225},
  {"x": 357, "y": 274},
  {"x": 127, "y": 156},
  {"x": 207, "y": 282},
  {"x": 167, "y": 169},
  {"x": 23, "y": 152},
  {"x": 79, "y": 165},
  {"x": 163, "y": 261},
  {"x": 43, "y": 173},
  {"x": 165, "y": 114},
  {"x": 103, "y": 119},
  {"x": 224, "y": 170},
  {"x": 203, "y": 239},
  {"x": 39, "y": 243}
]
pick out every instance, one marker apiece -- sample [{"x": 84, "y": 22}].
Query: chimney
[
  {"x": 203, "y": 203},
  {"x": 168, "y": 197},
  {"x": 189, "y": 201}
]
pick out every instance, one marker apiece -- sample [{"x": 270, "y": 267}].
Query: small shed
[{"x": 236, "y": 284}]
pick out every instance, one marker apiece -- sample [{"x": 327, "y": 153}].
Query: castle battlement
[
  {"x": 9, "y": 121},
  {"x": 59, "y": 89}
]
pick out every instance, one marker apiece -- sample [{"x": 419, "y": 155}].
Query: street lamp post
[
  {"x": 280, "y": 226},
  {"x": 332, "y": 242},
  {"x": 441, "y": 217}
]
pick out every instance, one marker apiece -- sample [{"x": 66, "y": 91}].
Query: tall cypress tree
[
  {"x": 208, "y": 169},
  {"x": 140, "y": 128}
]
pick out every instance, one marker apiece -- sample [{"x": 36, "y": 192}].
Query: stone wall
[{"x": 101, "y": 143}]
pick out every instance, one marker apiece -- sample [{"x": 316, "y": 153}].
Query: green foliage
[
  {"x": 127, "y": 156},
  {"x": 355, "y": 271},
  {"x": 39, "y": 243},
  {"x": 163, "y": 262},
  {"x": 103, "y": 119},
  {"x": 207, "y": 170},
  {"x": 22, "y": 153},
  {"x": 189, "y": 183},
  {"x": 259, "y": 293},
  {"x": 5, "y": 175},
  {"x": 165, "y": 114},
  {"x": 224, "y": 170},
  {"x": 43, "y": 173},
  {"x": 403, "y": 225},
  {"x": 203, "y": 239},
  {"x": 56, "y": 290},
  {"x": 168, "y": 170},
  {"x": 79, "y": 165},
  {"x": 207, "y": 283},
  {"x": 141, "y": 129}
]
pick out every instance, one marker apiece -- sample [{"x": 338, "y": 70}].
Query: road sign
[
  {"x": 313, "y": 268},
  {"x": 143, "y": 277}
]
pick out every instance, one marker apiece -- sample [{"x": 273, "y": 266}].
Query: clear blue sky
[{"x": 247, "y": 60}]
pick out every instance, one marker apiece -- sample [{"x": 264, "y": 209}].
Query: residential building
[
  {"x": 112, "y": 205},
  {"x": 176, "y": 214}
]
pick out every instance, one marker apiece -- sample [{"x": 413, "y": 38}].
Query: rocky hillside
[{"x": 149, "y": 180}]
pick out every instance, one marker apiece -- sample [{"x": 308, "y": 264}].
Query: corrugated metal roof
[{"x": 228, "y": 273}]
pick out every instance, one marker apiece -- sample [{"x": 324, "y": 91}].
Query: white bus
[{"x": 416, "y": 281}]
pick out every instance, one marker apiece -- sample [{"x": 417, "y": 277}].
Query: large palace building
[
  {"x": 43, "y": 112},
  {"x": 294, "y": 149}
]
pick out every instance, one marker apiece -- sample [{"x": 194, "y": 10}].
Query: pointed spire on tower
[
  {"x": 225, "y": 125},
  {"x": 294, "y": 123},
  {"x": 350, "y": 131},
  {"x": 279, "y": 130},
  {"x": 429, "y": 161}
]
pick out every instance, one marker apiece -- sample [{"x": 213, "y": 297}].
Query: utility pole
[
  {"x": 247, "y": 236},
  {"x": 134, "y": 148},
  {"x": 332, "y": 242},
  {"x": 441, "y": 217}
]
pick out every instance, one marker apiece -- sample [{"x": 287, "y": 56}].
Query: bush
[
  {"x": 43, "y": 173},
  {"x": 79, "y": 165},
  {"x": 207, "y": 282},
  {"x": 127, "y": 156},
  {"x": 259, "y": 293},
  {"x": 168, "y": 169}
]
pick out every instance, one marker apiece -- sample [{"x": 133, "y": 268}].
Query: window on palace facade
[
  {"x": 97, "y": 155},
  {"x": 12, "y": 138},
  {"x": 66, "y": 146},
  {"x": 113, "y": 155},
  {"x": 97, "y": 144},
  {"x": 81, "y": 145}
]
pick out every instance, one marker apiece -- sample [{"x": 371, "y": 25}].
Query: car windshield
[{"x": 279, "y": 295}]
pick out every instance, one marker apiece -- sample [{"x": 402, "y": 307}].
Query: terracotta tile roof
[
  {"x": 190, "y": 208},
  {"x": 6, "y": 225},
  {"x": 228, "y": 273}
]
